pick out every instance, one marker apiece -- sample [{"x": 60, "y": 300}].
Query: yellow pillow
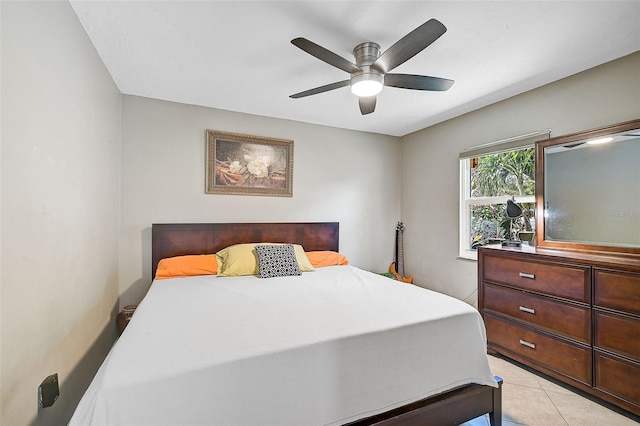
[
  {"x": 326, "y": 258},
  {"x": 241, "y": 259},
  {"x": 185, "y": 266}
]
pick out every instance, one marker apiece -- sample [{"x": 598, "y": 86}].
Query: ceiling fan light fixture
[{"x": 366, "y": 84}]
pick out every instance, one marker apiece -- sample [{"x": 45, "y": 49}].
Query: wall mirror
[{"x": 588, "y": 190}]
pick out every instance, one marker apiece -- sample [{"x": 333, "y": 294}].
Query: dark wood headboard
[{"x": 178, "y": 239}]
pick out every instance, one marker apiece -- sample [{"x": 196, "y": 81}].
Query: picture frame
[{"x": 238, "y": 164}]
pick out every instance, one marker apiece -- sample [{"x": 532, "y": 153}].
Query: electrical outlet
[{"x": 48, "y": 391}]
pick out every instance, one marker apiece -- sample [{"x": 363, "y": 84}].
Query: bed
[{"x": 336, "y": 345}]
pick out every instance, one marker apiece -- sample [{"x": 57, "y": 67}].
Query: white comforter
[{"x": 334, "y": 345}]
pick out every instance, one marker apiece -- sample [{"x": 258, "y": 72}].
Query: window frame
[{"x": 466, "y": 201}]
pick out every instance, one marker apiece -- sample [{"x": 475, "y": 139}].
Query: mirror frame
[{"x": 540, "y": 187}]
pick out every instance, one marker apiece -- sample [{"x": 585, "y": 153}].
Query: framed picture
[{"x": 248, "y": 165}]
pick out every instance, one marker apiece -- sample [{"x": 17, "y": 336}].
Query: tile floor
[{"x": 531, "y": 399}]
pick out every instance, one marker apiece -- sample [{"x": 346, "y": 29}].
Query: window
[{"x": 489, "y": 176}]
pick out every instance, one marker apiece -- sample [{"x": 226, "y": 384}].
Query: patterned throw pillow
[{"x": 277, "y": 261}]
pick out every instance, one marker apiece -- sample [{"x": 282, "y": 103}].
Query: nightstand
[{"x": 123, "y": 318}]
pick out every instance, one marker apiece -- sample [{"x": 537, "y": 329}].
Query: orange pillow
[
  {"x": 185, "y": 266},
  {"x": 319, "y": 259}
]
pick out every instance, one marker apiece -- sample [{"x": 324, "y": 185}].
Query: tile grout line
[
  {"x": 514, "y": 386},
  {"x": 552, "y": 401}
]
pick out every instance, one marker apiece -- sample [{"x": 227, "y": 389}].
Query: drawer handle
[
  {"x": 527, "y": 310},
  {"x": 527, "y": 344},
  {"x": 530, "y": 276}
]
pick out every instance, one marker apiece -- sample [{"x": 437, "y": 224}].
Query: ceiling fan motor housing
[{"x": 366, "y": 53}]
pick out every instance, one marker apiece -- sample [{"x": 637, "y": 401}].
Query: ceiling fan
[{"x": 371, "y": 70}]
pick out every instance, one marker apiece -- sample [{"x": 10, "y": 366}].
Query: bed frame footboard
[{"x": 451, "y": 408}]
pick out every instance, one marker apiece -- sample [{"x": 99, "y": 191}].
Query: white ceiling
[{"x": 237, "y": 55}]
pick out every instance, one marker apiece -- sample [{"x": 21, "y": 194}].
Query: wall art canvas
[{"x": 248, "y": 165}]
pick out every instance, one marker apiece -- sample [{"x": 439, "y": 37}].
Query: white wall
[
  {"x": 339, "y": 175},
  {"x": 60, "y": 208},
  {"x": 63, "y": 171},
  {"x": 603, "y": 95}
]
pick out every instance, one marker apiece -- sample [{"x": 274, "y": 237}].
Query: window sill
[{"x": 470, "y": 255}]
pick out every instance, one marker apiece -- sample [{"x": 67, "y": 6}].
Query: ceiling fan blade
[
  {"x": 417, "y": 82},
  {"x": 367, "y": 104},
  {"x": 410, "y": 45},
  {"x": 325, "y": 55},
  {"x": 321, "y": 89}
]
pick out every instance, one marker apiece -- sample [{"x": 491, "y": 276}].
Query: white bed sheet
[{"x": 332, "y": 346}]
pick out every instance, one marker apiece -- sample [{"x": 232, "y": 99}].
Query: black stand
[{"x": 511, "y": 243}]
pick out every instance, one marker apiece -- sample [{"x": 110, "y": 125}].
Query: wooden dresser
[{"x": 573, "y": 316}]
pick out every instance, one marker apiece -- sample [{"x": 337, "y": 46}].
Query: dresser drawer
[
  {"x": 553, "y": 315},
  {"x": 617, "y": 333},
  {"x": 617, "y": 290},
  {"x": 563, "y": 357},
  {"x": 618, "y": 377},
  {"x": 571, "y": 282}
]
